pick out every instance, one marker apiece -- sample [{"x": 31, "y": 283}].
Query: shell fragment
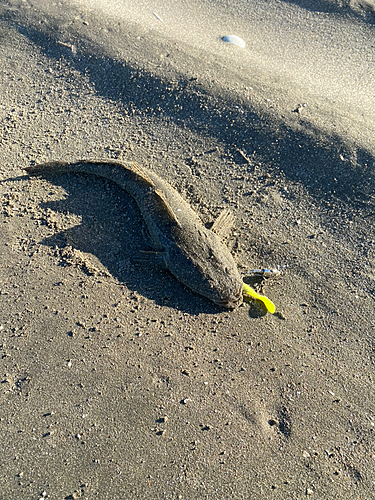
[{"x": 235, "y": 40}]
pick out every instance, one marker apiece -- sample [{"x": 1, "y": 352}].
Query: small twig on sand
[{"x": 244, "y": 156}]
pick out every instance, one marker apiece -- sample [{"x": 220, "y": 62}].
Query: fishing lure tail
[{"x": 248, "y": 291}]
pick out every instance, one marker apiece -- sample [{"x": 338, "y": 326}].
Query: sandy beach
[{"x": 117, "y": 381}]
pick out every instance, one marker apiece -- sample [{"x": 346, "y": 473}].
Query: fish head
[{"x": 205, "y": 265}]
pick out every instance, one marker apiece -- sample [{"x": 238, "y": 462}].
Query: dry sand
[{"x": 116, "y": 381}]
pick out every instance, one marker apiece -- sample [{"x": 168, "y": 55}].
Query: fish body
[{"x": 194, "y": 254}]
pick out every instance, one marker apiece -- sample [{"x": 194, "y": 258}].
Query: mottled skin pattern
[{"x": 191, "y": 252}]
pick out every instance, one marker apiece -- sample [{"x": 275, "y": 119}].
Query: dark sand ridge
[{"x": 145, "y": 390}]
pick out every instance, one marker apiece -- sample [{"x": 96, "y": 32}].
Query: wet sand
[{"x": 116, "y": 381}]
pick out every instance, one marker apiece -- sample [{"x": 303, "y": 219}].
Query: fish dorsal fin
[
  {"x": 137, "y": 169},
  {"x": 165, "y": 206},
  {"x": 223, "y": 223}
]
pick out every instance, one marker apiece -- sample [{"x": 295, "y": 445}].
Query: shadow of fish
[{"x": 194, "y": 254}]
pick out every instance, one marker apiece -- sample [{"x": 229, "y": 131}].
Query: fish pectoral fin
[
  {"x": 165, "y": 206},
  {"x": 152, "y": 242},
  {"x": 223, "y": 224},
  {"x": 150, "y": 258}
]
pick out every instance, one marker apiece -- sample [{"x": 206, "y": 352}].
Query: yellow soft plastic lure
[{"x": 270, "y": 306}]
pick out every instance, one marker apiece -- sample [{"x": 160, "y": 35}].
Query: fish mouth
[{"x": 232, "y": 302}]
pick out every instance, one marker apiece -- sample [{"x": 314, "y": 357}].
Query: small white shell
[{"x": 236, "y": 40}]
